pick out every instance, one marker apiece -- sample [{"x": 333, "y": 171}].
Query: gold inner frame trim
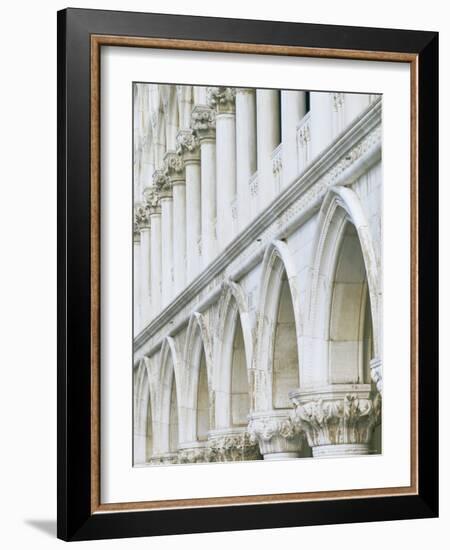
[{"x": 97, "y": 41}]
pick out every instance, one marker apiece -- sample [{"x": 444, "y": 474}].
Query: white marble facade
[{"x": 257, "y": 274}]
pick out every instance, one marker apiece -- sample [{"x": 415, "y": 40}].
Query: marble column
[
  {"x": 164, "y": 187},
  {"x": 276, "y": 434},
  {"x": 338, "y": 419},
  {"x": 268, "y": 138},
  {"x": 188, "y": 150},
  {"x": 199, "y": 95},
  {"x": 204, "y": 125},
  {"x": 136, "y": 276},
  {"x": 321, "y": 121},
  {"x": 153, "y": 204},
  {"x": 176, "y": 175},
  {"x": 185, "y": 96},
  {"x": 143, "y": 220},
  {"x": 245, "y": 150},
  {"x": 222, "y": 99},
  {"x": 293, "y": 109}
]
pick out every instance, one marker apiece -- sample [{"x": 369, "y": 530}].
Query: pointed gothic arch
[
  {"x": 143, "y": 414},
  {"x": 233, "y": 358},
  {"x": 279, "y": 318},
  {"x": 170, "y": 393},
  {"x": 198, "y": 419},
  {"x": 344, "y": 292}
]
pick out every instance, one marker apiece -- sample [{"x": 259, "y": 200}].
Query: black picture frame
[{"x": 76, "y": 520}]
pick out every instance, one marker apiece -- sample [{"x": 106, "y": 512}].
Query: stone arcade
[{"x": 257, "y": 274}]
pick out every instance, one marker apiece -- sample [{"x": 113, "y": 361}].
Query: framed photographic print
[{"x": 247, "y": 274}]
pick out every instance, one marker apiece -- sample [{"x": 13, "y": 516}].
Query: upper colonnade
[{"x": 207, "y": 161}]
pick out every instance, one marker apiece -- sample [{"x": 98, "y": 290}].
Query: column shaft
[
  {"x": 208, "y": 206},
  {"x": 136, "y": 282},
  {"x": 179, "y": 235},
  {"x": 225, "y": 176},
  {"x": 223, "y": 101},
  {"x": 293, "y": 109},
  {"x": 167, "y": 248},
  {"x": 145, "y": 294},
  {"x": 193, "y": 217},
  {"x": 321, "y": 122},
  {"x": 155, "y": 261},
  {"x": 245, "y": 150},
  {"x": 203, "y": 123},
  {"x": 268, "y": 138}
]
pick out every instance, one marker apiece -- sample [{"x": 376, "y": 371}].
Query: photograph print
[{"x": 257, "y": 274}]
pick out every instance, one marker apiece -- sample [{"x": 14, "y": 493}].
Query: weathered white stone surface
[{"x": 257, "y": 263}]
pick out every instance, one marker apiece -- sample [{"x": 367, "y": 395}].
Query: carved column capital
[
  {"x": 231, "y": 445},
  {"x": 152, "y": 200},
  {"x": 275, "y": 432},
  {"x": 164, "y": 458},
  {"x": 188, "y": 146},
  {"x": 203, "y": 122},
  {"x": 376, "y": 371},
  {"x": 337, "y": 419},
  {"x": 193, "y": 453},
  {"x": 174, "y": 168},
  {"x": 141, "y": 217},
  {"x": 222, "y": 99},
  {"x": 162, "y": 183}
]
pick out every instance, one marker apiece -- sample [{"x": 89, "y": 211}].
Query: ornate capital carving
[
  {"x": 222, "y": 99},
  {"x": 174, "y": 167},
  {"x": 203, "y": 122},
  {"x": 342, "y": 414},
  {"x": 188, "y": 145},
  {"x": 231, "y": 446},
  {"x": 152, "y": 200},
  {"x": 338, "y": 101},
  {"x": 193, "y": 455},
  {"x": 253, "y": 184},
  {"x": 165, "y": 458},
  {"x": 162, "y": 183},
  {"x": 376, "y": 371},
  {"x": 275, "y": 432},
  {"x": 141, "y": 217}
]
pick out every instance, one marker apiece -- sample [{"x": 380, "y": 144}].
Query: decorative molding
[
  {"x": 234, "y": 208},
  {"x": 376, "y": 371},
  {"x": 222, "y": 99},
  {"x": 338, "y": 100},
  {"x": 253, "y": 184},
  {"x": 232, "y": 445},
  {"x": 277, "y": 160},
  {"x": 341, "y": 414},
  {"x": 141, "y": 217},
  {"x": 275, "y": 432},
  {"x": 162, "y": 183},
  {"x": 152, "y": 200},
  {"x": 373, "y": 139},
  {"x": 174, "y": 167},
  {"x": 188, "y": 145},
  {"x": 193, "y": 455},
  {"x": 165, "y": 458},
  {"x": 203, "y": 122}
]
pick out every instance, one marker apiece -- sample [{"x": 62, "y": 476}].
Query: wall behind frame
[{"x": 28, "y": 284}]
